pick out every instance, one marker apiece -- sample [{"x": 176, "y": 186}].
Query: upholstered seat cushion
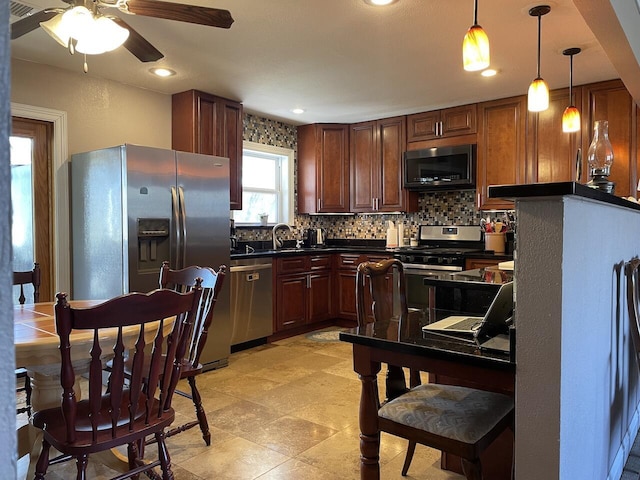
[{"x": 458, "y": 413}]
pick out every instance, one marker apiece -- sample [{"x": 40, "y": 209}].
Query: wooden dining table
[
  {"x": 37, "y": 350},
  {"x": 447, "y": 361}
]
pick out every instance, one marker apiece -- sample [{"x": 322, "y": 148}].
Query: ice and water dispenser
[{"x": 153, "y": 243}]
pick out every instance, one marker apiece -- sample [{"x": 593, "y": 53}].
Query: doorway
[{"x": 32, "y": 199}]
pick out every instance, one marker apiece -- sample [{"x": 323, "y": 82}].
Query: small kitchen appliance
[{"x": 314, "y": 237}]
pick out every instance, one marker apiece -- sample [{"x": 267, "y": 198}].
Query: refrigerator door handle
[
  {"x": 182, "y": 253},
  {"x": 175, "y": 231}
]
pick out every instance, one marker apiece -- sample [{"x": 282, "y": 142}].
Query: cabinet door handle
[
  {"x": 308, "y": 281},
  {"x": 318, "y": 209}
]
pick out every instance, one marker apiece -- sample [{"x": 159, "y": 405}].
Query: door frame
[{"x": 60, "y": 186}]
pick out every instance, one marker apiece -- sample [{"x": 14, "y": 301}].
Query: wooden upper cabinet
[
  {"x": 501, "y": 148},
  {"x": 442, "y": 123},
  {"x": 376, "y": 150},
  {"x": 552, "y": 153},
  {"x": 323, "y": 168},
  {"x": 612, "y": 102},
  {"x": 212, "y": 125}
]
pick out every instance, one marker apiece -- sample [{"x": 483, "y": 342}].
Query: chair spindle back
[{"x": 147, "y": 393}]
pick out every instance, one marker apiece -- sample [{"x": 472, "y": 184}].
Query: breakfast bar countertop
[{"x": 410, "y": 340}]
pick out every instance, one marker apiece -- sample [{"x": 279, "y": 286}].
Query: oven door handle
[{"x": 423, "y": 269}]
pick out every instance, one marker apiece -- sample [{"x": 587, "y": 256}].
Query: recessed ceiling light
[
  {"x": 297, "y": 111},
  {"x": 162, "y": 72},
  {"x": 379, "y": 3},
  {"x": 489, "y": 72}
]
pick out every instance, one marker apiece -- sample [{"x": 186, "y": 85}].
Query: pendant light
[
  {"x": 475, "y": 46},
  {"x": 538, "y": 96},
  {"x": 571, "y": 115}
]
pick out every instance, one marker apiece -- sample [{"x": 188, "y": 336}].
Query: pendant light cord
[
  {"x": 475, "y": 12},
  {"x": 570, "y": 79},
  {"x": 539, "y": 34}
]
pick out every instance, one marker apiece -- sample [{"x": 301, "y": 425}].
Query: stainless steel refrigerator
[{"x": 134, "y": 207}]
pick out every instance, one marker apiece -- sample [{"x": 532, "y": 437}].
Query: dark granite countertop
[
  {"x": 412, "y": 341},
  {"x": 342, "y": 246},
  {"x": 557, "y": 189},
  {"x": 329, "y": 249}
]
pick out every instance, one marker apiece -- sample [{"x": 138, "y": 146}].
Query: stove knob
[
  {"x": 449, "y": 261},
  {"x": 411, "y": 259},
  {"x": 440, "y": 259}
]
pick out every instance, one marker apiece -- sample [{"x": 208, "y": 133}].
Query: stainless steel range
[{"x": 440, "y": 249}]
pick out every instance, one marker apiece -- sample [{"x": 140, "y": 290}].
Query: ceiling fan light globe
[
  {"x": 571, "y": 119},
  {"x": 56, "y": 30},
  {"x": 73, "y": 23},
  {"x": 105, "y": 36},
  {"x": 538, "y": 96},
  {"x": 475, "y": 49}
]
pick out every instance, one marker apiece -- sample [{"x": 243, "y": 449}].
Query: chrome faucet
[{"x": 277, "y": 243}]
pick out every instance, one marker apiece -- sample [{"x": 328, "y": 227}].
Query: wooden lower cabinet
[
  {"x": 303, "y": 291},
  {"x": 345, "y": 282}
]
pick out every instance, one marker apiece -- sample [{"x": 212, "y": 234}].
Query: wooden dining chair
[
  {"x": 458, "y": 420},
  {"x": 128, "y": 411},
  {"x": 182, "y": 281},
  {"x": 30, "y": 277}
]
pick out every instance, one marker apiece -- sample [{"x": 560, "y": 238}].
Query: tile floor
[{"x": 287, "y": 410}]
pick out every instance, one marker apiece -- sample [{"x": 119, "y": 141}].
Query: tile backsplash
[{"x": 440, "y": 208}]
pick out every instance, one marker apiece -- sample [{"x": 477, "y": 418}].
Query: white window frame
[{"x": 287, "y": 190}]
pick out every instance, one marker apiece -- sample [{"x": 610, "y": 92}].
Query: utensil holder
[{"x": 494, "y": 242}]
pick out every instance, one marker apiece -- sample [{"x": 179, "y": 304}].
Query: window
[{"x": 267, "y": 185}]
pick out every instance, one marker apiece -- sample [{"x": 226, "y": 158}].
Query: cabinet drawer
[
  {"x": 288, "y": 265},
  {"x": 320, "y": 262},
  {"x": 350, "y": 261}
]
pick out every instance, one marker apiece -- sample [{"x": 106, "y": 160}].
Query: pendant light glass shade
[
  {"x": 475, "y": 49},
  {"x": 475, "y": 46},
  {"x": 538, "y": 95},
  {"x": 571, "y": 115},
  {"x": 571, "y": 119}
]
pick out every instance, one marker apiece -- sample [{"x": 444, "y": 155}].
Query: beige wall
[
  {"x": 97, "y": 114},
  {"x": 100, "y": 113}
]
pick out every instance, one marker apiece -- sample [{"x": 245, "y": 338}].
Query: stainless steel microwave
[{"x": 440, "y": 168}]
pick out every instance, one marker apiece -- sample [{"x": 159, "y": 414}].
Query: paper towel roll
[{"x": 392, "y": 237}]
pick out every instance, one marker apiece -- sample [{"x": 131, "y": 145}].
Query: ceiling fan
[{"x": 135, "y": 43}]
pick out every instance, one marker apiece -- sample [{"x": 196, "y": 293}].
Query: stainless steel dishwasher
[{"x": 251, "y": 301}]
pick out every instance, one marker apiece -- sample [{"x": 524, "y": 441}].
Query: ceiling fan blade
[
  {"x": 138, "y": 45},
  {"x": 212, "y": 17},
  {"x": 30, "y": 23}
]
